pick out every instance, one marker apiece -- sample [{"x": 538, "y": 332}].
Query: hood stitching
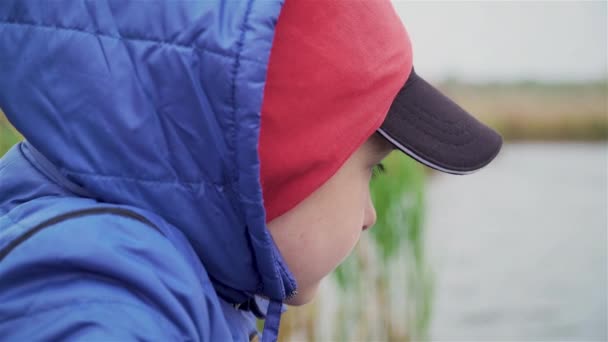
[
  {"x": 128, "y": 39},
  {"x": 235, "y": 72},
  {"x": 220, "y": 186},
  {"x": 235, "y": 128}
]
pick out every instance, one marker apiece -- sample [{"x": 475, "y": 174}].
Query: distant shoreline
[{"x": 537, "y": 111}]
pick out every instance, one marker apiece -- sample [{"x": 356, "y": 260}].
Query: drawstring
[
  {"x": 272, "y": 322},
  {"x": 47, "y": 168}
]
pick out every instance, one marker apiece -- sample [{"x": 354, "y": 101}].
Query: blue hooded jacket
[{"x": 133, "y": 209}]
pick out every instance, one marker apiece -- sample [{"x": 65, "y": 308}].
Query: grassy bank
[{"x": 537, "y": 111}]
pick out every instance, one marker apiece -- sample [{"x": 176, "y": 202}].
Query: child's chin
[{"x": 303, "y": 297}]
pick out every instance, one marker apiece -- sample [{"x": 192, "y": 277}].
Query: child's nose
[{"x": 370, "y": 215}]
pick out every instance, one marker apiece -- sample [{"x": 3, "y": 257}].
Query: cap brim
[{"x": 431, "y": 128}]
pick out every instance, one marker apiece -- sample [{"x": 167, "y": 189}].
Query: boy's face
[{"x": 320, "y": 232}]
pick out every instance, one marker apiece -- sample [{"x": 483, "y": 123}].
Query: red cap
[{"x": 335, "y": 68}]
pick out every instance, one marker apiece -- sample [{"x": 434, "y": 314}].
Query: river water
[{"x": 519, "y": 248}]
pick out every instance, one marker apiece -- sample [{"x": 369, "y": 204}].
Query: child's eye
[{"x": 377, "y": 170}]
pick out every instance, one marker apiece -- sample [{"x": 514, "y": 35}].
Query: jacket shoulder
[{"x": 106, "y": 276}]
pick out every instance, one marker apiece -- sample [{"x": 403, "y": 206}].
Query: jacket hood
[{"x": 154, "y": 104}]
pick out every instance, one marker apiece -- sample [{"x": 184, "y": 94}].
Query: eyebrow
[
  {"x": 381, "y": 149},
  {"x": 379, "y": 154}
]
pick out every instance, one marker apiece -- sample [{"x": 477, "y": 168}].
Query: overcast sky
[{"x": 507, "y": 40}]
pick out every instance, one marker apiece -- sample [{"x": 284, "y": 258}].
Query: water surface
[{"x": 519, "y": 248}]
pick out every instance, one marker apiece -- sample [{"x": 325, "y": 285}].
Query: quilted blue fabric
[{"x": 152, "y": 106}]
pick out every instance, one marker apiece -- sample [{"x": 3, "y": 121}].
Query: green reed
[{"x": 397, "y": 248}]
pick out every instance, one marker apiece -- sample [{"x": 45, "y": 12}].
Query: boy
[{"x": 189, "y": 165}]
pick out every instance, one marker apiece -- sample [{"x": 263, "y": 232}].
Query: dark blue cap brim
[{"x": 429, "y": 127}]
